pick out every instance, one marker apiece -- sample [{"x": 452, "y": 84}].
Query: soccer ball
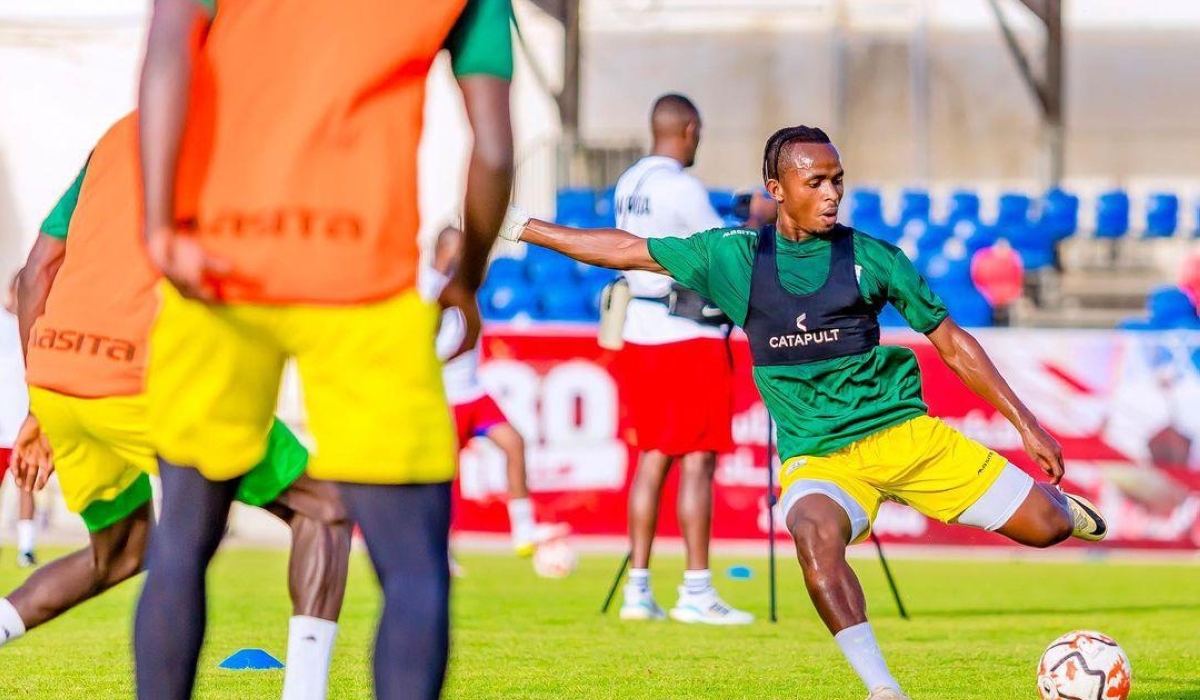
[
  {"x": 1084, "y": 666},
  {"x": 554, "y": 559}
]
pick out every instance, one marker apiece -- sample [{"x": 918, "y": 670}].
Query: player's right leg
[
  {"x": 644, "y": 495},
  {"x": 100, "y": 455},
  {"x": 113, "y": 555},
  {"x": 698, "y": 600},
  {"x": 823, "y": 519}
]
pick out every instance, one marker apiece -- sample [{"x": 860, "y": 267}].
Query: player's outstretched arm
[
  {"x": 603, "y": 247},
  {"x": 963, "y": 354},
  {"x": 35, "y": 281}
]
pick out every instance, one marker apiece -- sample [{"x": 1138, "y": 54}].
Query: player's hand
[
  {"x": 32, "y": 459},
  {"x": 1044, "y": 450},
  {"x": 459, "y": 296},
  {"x": 192, "y": 270}
]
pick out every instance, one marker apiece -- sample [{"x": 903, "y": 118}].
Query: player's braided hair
[{"x": 779, "y": 141}]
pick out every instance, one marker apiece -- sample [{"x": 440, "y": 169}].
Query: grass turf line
[{"x": 977, "y": 632}]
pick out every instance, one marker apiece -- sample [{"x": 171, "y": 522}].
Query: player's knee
[
  {"x": 816, "y": 539},
  {"x": 1057, "y": 528}
]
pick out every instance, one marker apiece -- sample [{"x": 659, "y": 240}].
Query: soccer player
[
  {"x": 852, "y": 427},
  {"x": 279, "y": 161},
  {"x": 476, "y": 413},
  {"x": 14, "y": 406},
  {"x": 86, "y": 305},
  {"x": 675, "y": 374}
]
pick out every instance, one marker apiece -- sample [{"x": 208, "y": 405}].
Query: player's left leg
[
  {"x": 698, "y": 600},
  {"x": 26, "y": 531},
  {"x": 317, "y": 568},
  {"x": 520, "y": 508}
]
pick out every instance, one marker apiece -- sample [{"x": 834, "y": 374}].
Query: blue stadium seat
[
  {"x": 933, "y": 238},
  {"x": 964, "y": 206},
  {"x": 504, "y": 301},
  {"x": 1112, "y": 214},
  {"x": 722, "y": 201},
  {"x": 1012, "y": 210},
  {"x": 914, "y": 206},
  {"x": 1034, "y": 242},
  {"x": 1170, "y": 307},
  {"x": 507, "y": 270},
  {"x": 1060, "y": 214},
  {"x": 969, "y": 308},
  {"x": 575, "y": 204},
  {"x": 1162, "y": 215},
  {"x": 547, "y": 267},
  {"x": 866, "y": 209},
  {"x": 889, "y": 317},
  {"x": 564, "y": 302}
]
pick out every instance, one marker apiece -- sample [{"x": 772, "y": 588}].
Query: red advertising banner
[{"x": 1126, "y": 408}]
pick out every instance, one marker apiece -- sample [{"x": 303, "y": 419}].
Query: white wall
[{"x": 68, "y": 69}]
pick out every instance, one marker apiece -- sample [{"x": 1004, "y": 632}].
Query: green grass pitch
[{"x": 976, "y": 633}]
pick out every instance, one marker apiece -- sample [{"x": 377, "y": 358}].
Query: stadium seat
[
  {"x": 1060, "y": 214},
  {"x": 866, "y": 209},
  {"x": 914, "y": 206},
  {"x": 564, "y": 302},
  {"x": 964, "y": 207},
  {"x": 722, "y": 201},
  {"x": 547, "y": 267},
  {"x": 1170, "y": 307},
  {"x": 1012, "y": 210},
  {"x": 1035, "y": 242},
  {"x": 889, "y": 317},
  {"x": 1162, "y": 215},
  {"x": 1112, "y": 215},
  {"x": 507, "y": 270},
  {"x": 504, "y": 301},
  {"x": 969, "y": 308},
  {"x": 575, "y": 204}
]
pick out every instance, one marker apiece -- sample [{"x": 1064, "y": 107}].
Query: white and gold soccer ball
[
  {"x": 1084, "y": 665},
  {"x": 554, "y": 559}
]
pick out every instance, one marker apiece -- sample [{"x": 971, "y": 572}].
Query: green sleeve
[
  {"x": 481, "y": 42},
  {"x": 685, "y": 259},
  {"x": 59, "y": 219},
  {"x": 912, "y": 297}
]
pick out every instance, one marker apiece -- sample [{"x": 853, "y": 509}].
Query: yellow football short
[
  {"x": 101, "y": 453},
  {"x": 922, "y": 462},
  {"x": 372, "y": 385}
]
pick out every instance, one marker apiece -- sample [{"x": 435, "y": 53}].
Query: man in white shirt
[
  {"x": 675, "y": 373},
  {"x": 14, "y": 406}
]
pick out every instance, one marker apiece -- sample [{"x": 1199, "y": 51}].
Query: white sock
[
  {"x": 640, "y": 579},
  {"x": 859, "y": 645},
  {"x": 310, "y": 648},
  {"x": 520, "y": 519},
  {"x": 697, "y": 581},
  {"x": 25, "y": 536},
  {"x": 11, "y": 625}
]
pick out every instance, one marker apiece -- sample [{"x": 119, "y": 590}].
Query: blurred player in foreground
[
  {"x": 676, "y": 377},
  {"x": 476, "y": 413},
  {"x": 14, "y": 406},
  {"x": 286, "y": 223},
  {"x": 87, "y": 302},
  {"x": 853, "y": 429}
]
